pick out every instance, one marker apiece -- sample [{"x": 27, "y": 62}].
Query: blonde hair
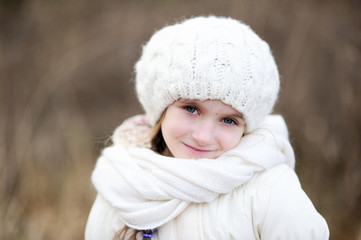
[
  {"x": 126, "y": 233},
  {"x": 157, "y": 144}
]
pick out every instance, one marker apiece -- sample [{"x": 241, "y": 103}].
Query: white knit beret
[{"x": 203, "y": 58}]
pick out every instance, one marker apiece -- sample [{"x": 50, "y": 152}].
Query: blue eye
[
  {"x": 190, "y": 109},
  {"x": 229, "y": 121}
]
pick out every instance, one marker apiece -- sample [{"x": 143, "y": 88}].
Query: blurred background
[{"x": 66, "y": 71}]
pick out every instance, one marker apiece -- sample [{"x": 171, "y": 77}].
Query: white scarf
[{"x": 149, "y": 189}]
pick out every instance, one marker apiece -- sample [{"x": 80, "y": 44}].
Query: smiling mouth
[{"x": 197, "y": 151}]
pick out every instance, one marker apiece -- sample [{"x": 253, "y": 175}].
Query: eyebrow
[{"x": 237, "y": 115}]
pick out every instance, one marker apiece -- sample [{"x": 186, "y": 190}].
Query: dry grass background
[{"x": 65, "y": 84}]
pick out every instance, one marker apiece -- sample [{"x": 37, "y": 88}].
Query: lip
[{"x": 197, "y": 151}]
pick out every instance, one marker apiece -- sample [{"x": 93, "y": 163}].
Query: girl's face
[{"x": 196, "y": 129}]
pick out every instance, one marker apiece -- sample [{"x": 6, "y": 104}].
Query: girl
[{"x": 206, "y": 161}]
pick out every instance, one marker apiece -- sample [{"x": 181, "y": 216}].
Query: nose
[{"x": 204, "y": 133}]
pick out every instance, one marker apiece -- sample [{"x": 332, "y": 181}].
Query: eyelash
[
  {"x": 187, "y": 108},
  {"x": 233, "y": 122},
  {"x": 193, "y": 110}
]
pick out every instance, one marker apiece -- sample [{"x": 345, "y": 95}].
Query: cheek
[
  {"x": 230, "y": 139},
  {"x": 172, "y": 130},
  {"x": 174, "y": 127}
]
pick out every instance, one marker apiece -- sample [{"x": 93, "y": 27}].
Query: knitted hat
[{"x": 203, "y": 58}]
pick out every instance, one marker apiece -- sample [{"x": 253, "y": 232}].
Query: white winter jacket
[{"x": 266, "y": 202}]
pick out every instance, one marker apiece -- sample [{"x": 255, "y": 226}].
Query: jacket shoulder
[
  {"x": 281, "y": 208},
  {"x": 103, "y": 221}
]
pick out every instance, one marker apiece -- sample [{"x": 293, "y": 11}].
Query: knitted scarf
[{"x": 149, "y": 189}]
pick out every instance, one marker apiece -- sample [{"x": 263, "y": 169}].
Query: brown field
[{"x": 66, "y": 70}]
